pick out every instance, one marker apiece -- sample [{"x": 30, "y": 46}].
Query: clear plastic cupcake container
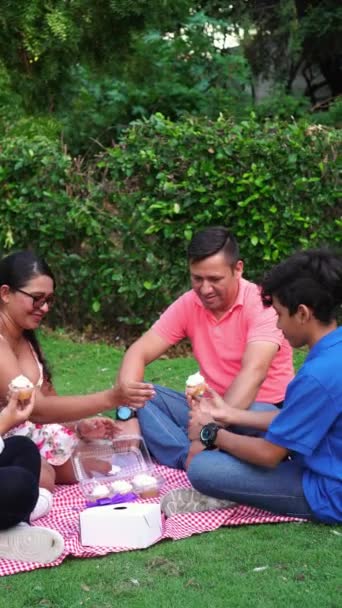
[{"x": 110, "y": 469}]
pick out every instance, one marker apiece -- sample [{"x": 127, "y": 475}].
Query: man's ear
[
  {"x": 238, "y": 270},
  {"x": 4, "y": 293},
  {"x": 304, "y": 313}
]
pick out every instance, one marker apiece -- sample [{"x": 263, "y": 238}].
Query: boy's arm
[{"x": 251, "y": 449}]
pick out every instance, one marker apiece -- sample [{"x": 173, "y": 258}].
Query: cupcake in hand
[
  {"x": 195, "y": 386},
  {"x": 22, "y": 387}
]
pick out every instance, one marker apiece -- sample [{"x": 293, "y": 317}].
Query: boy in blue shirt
[{"x": 295, "y": 468}]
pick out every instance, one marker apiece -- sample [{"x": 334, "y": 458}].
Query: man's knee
[
  {"x": 161, "y": 399},
  {"x": 166, "y": 402}
]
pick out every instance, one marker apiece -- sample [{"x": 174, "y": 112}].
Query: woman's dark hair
[
  {"x": 312, "y": 277},
  {"x": 212, "y": 240},
  {"x": 16, "y": 270}
]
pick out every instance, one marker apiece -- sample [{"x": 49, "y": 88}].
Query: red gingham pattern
[{"x": 69, "y": 501}]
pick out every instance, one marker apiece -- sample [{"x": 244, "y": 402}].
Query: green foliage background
[
  {"x": 127, "y": 125},
  {"x": 85, "y": 70},
  {"x": 115, "y": 230}
]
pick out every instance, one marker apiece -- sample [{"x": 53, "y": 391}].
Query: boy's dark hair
[
  {"x": 312, "y": 277},
  {"x": 212, "y": 240},
  {"x": 16, "y": 270}
]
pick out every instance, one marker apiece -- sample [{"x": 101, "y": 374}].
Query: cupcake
[
  {"x": 145, "y": 485},
  {"x": 121, "y": 487},
  {"x": 99, "y": 491},
  {"x": 195, "y": 385},
  {"x": 114, "y": 470},
  {"x": 23, "y": 387}
]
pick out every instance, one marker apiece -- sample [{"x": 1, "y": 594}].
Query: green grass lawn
[{"x": 266, "y": 566}]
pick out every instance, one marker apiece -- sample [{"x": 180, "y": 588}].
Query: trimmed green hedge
[
  {"x": 49, "y": 202},
  {"x": 274, "y": 185},
  {"x": 115, "y": 230}
]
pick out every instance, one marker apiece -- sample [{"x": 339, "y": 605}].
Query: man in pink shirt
[{"x": 240, "y": 351}]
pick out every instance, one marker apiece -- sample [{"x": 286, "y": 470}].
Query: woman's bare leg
[
  {"x": 65, "y": 473},
  {"x": 47, "y": 476}
]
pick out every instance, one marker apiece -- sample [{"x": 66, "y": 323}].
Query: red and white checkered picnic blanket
[{"x": 69, "y": 501}]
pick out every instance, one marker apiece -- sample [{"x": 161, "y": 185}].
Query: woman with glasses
[{"x": 26, "y": 294}]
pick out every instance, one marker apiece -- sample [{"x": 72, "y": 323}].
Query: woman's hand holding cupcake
[{"x": 15, "y": 412}]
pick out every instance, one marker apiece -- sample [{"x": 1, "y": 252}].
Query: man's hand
[
  {"x": 192, "y": 397},
  {"x": 134, "y": 394},
  {"x": 15, "y": 413},
  {"x": 193, "y": 402},
  {"x": 98, "y": 427}
]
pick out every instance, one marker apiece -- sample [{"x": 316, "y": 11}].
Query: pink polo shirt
[{"x": 219, "y": 345}]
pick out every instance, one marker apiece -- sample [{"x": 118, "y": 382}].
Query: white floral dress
[{"x": 55, "y": 442}]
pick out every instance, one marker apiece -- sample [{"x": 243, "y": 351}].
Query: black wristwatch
[
  {"x": 125, "y": 413},
  {"x": 208, "y": 434}
]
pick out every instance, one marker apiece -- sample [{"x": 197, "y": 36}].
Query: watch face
[
  {"x": 208, "y": 434},
  {"x": 124, "y": 412}
]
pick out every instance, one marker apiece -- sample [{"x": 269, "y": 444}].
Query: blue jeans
[
  {"x": 164, "y": 424},
  {"x": 278, "y": 490}
]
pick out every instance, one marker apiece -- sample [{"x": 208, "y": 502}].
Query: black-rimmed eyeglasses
[{"x": 39, "y": 301}]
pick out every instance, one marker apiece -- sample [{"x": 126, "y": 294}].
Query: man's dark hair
[
  {"x": 212, "y": 240},
  {"x": 312, "y": 277}
]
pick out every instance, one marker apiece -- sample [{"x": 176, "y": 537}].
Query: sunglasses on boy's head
[{"x": 39, "y": 301}]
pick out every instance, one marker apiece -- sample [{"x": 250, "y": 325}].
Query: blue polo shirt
[{"x": 310, "y": 425}]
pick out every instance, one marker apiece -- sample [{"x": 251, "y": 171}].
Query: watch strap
[{"x": 133, "y": 413}]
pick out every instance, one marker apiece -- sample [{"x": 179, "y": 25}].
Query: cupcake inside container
[{"x": 106, "y": 469}]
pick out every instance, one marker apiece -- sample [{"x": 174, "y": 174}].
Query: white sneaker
[
  {"x": 43, "y": 505},
  {"x": 188, "y": 500},
  {"x": 31, "y": 544}
]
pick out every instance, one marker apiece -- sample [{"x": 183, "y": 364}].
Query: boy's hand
[
  {"x": 217, "y": 408},
  {"x": 198, "y": 418}
]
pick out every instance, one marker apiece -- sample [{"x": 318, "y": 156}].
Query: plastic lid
[{"x": 101, "y": 465}]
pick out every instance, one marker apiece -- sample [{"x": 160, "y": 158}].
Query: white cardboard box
[{"x": 126, "y": 525}]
